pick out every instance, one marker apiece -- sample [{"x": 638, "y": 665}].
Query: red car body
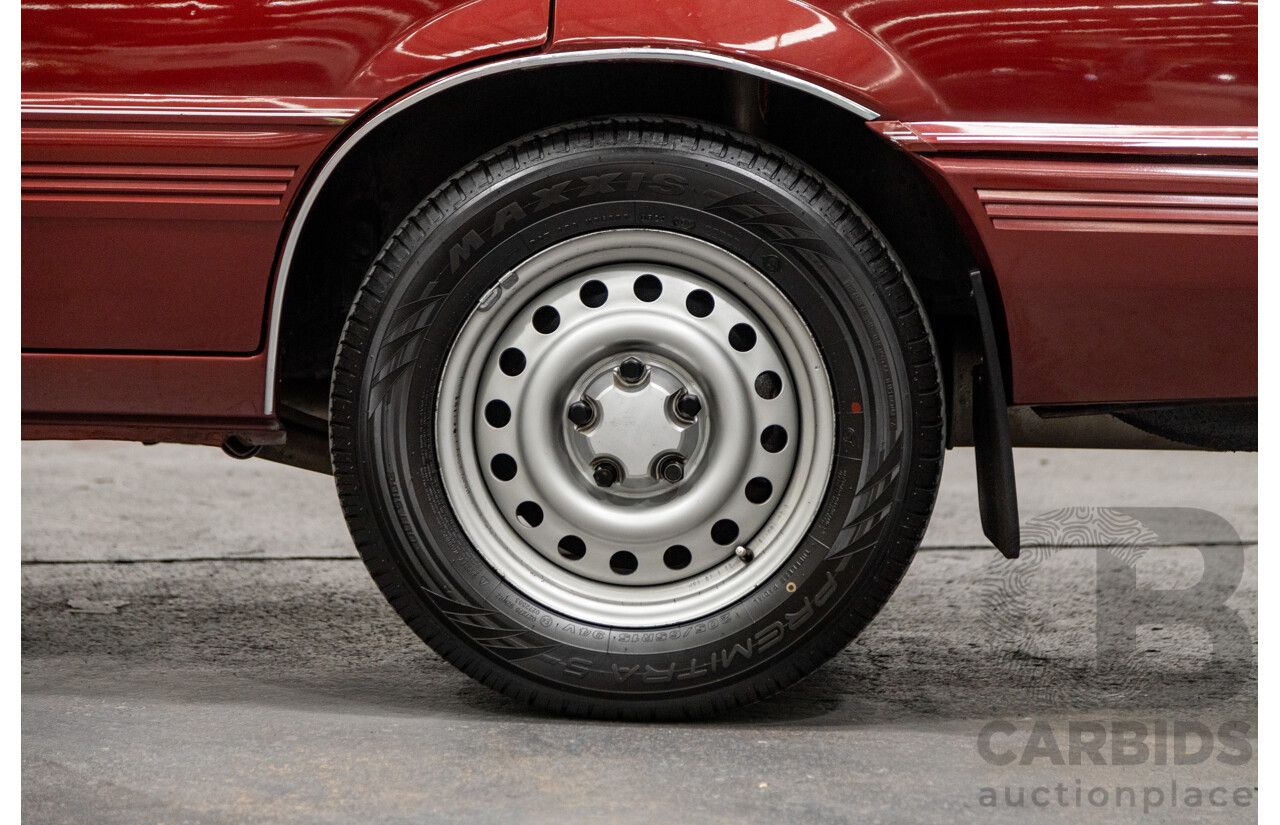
[{"x": 1099, "y": 159}]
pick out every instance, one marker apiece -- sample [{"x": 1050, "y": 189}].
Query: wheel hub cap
[{"x": 637, "y": 428}]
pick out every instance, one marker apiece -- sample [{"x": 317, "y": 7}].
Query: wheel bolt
[
  {"x": 671, "y": 468},
  {"x": 688, "y": 406},
  {"x": 631, "y": 371},
  {"x": 606, "y": 474},
  {"x": 580, "y": 413}
]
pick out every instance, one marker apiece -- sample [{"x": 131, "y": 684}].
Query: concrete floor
[{"x": 200, "y": 645}]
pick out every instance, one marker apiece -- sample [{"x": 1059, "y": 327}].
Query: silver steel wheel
[
  {"x": 635, "y": 428},
  {"x": 585, "y": 435}
]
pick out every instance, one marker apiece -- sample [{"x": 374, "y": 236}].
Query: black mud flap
[{"x": 992, "y": 446}]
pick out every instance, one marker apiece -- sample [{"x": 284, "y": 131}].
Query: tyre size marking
[
  {"x": 744, "y": 650},
  {"x": 675, "y": 634},
  {"x": 586, "y": 631},
  {"x": 406, "y": 524},
  {"x": 607, "y": 219},
  {"x": 838, "y": 484},
  {"x": 522, "y": 608}
]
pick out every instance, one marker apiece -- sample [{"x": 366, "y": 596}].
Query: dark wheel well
[{"x": 391, "y": 170}]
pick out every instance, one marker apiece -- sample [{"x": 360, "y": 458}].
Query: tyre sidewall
[{"x": 454, "y": 253}]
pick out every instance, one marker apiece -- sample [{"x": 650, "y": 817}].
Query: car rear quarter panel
[
  {"x": 1153, "y": 62},
  {"x": 1103, "y": 157},
  {"x": 166, "y": 146}
]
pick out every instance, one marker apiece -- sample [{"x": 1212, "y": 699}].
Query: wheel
[{"x": 636, "y": 418}]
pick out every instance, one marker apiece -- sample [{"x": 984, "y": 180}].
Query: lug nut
[
  {"x": 580, "y": 413},
  {"x": 671, "y": 468},
  {"x": 631, "y": 370},
  {"x": 688, "y": 406},
  {"x": 606, "y": 474}
]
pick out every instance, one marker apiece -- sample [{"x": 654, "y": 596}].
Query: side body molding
[
  {"x": 213, "y": 129},
  {"x": 1122, "y": 280},
  {"x": 1103, "y": 156},
  {"x": 164, "y": 148}
]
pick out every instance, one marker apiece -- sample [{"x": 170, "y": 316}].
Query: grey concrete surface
[{"x": 200, "y": 646}]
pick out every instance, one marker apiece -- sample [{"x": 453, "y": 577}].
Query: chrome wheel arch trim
[{"x": 639, "y": 54}]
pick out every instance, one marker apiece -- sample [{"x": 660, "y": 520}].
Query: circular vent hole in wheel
[
  {"x": 648, "y": 288},
  {"x": 700, "y": 303},
  {"x": 773, "y": 439},
  {"x": 511, "y": 361},
  {"x": 572, "y": 548},
  {"x": 768, "y": 385},
  {"x": 530, "y": 514},
  {"x": 546, "y": 320},
  {"x": 677, "y": 557},
  {"x": 758, "y": 490},
  {"x": 593, "y": 294},
  {"x": 497, "y": 413},
  {"x": 503, "y": 467},
  {"x": 742, "y": 337},
  {"x": 724, "y": 531},
  {"x": 623, "y": 563}
]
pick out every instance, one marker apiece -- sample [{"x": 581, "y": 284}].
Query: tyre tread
[{"x": 915, "y": 340}]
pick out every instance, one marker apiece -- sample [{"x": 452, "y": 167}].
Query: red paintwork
[
  {"x": 1064, "y": 61},
  {"x": 323, "y": 48},
  {"x": 1139, "y": 310},
  {"x": 157, "y": 139},
  {"x": 136, "y": 266},
  {"x": 244, "y": 185},
  {"x": 207, "y": 430},
  {"x": 1212, "y": 141},
  {"x": 72, "y": 388},
  {"x": 1108, "y": 211},
  {"x": 134, "y": 278},
  {"x": 169, "y": 108},
  {"x": 132, "y": 263},
  {"x": 1244, "y": 202}
]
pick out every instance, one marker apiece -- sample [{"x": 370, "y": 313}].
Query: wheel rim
[{"x": 635, "y": 428}]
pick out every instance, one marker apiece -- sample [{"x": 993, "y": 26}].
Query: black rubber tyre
[{"x": 774, "y": 213}]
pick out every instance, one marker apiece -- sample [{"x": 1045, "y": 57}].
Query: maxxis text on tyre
[{"x": 733, "y": 273}]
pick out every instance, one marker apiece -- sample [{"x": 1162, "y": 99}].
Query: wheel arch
[{"x": 382, "y": 169}]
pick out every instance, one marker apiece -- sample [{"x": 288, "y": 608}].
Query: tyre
[{"x": 637, "y": 418}]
